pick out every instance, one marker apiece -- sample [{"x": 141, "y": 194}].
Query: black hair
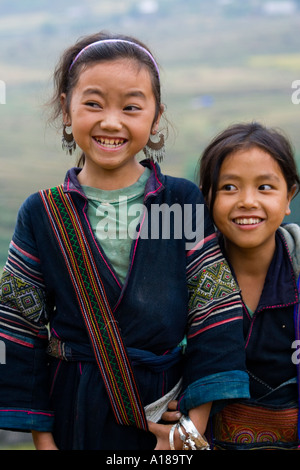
[
  {"x": 244, "y": 136},
  {"x": 66, "y": 77}
]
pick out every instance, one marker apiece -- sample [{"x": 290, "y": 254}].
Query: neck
[
  {"x": 109, "y": 180},
  {"x": 251, "y": 261},
  {"x": 251, "y": 266}
]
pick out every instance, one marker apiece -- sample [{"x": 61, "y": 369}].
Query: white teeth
[
  {"x": 110, "y": 143},
  {"x": 246, "y": 221}
]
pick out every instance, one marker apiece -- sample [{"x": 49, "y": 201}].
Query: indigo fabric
[
  {"x": 268, "y": 419},
  {"x": 173, "y": 289}
]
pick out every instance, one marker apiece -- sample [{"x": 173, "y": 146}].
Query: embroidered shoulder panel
[
  {"x": 213, "y": 292},
  {"x": 23, "y": 296},
  {"x": 212, "y": 283}
]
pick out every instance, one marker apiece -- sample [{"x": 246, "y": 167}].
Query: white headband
[{"x": 105, "y": 41}]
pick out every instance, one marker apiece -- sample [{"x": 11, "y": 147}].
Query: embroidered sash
[{"x": 102, "y": 328}]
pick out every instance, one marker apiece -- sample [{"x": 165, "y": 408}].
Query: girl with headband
[{"x": 115, "y": 298}]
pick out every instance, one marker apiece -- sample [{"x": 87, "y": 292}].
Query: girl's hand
[
  {"x": 198, "y": 415},
  {"x": 172, "y": 415},
  {"x": 162, "y": 431}
]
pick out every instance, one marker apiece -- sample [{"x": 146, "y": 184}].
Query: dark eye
[
  {"x": 229, "y": 187},
  {"x": 92, "y": 104},
  {"x": 265, "y": 187},
  {"x": 131, "y": 107}
]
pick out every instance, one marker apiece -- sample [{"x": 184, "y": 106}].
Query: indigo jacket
[
  {"x": 175, "y": 289},
  {"x": 270, "y": 331}
]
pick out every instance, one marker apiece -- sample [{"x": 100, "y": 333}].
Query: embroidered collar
[
  {"x": 280, "y": 288},
  {"x": 153, "y": 187}
]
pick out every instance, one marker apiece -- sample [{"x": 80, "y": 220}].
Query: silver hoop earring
[
  {"x": 155, "y": 151},
  {"x": 68, "y": 143}
]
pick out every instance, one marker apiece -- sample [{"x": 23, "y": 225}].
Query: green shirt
[{"x": 114, "y": 216}]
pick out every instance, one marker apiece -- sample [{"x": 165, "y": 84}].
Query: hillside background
[{"x": 222, "y": 61}]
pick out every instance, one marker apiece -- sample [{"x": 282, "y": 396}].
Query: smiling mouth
[
  {"x": 247, "y": 221},
  {"x": 109, "y": 142}
]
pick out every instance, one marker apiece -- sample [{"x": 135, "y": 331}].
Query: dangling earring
[
  {"x": 68, "y": 142},
  {"x": 155, "y": 150}
]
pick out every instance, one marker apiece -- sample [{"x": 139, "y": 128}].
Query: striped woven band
[{"x": 101, "y": 326}]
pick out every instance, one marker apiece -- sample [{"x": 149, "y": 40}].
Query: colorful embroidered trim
[
  {"x": 105, "y": 337},
  {"x": 214, "y": 298},
  {"x": 22, "y": 295},
  {"x": 243, "y": 424}
]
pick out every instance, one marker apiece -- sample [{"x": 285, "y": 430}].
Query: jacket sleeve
[
  {"x": 215, "y": 356},
  {"x": 24, "y": 391}
]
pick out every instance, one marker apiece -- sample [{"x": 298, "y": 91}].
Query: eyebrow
[
  {"x": 92, "y": 91},
  {"x": 265, "y": 176},
  {"x": 130, "y": 94}
]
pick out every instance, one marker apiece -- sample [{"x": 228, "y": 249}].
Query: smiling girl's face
[
  {"x": 112, "y": 112},
  {"x": 252, "y": 199}
]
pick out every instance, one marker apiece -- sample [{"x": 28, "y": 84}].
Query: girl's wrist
[{"x": 43, "y": 440}]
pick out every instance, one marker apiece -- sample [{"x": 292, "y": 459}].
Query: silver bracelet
[
  {"x": 183, "y": 437},
  {"x": 171, "y": 437},
  {"x": 194, "y": 438}
]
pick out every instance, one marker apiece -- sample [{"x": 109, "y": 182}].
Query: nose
[
  {"x": 110, "y": 120},
  {"x": 248, "y": 199}
]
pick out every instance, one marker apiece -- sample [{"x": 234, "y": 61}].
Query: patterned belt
[
  {"x": 68, "y": 351},
  {"x": 56, "y": 348},
  {"x": 247, "y": 424}
]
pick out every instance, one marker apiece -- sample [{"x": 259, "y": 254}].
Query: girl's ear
[
  {"x": 63, "y": 102},
  {"x": 157, "y": 120},
  {"x": 290, "y": 196}
]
